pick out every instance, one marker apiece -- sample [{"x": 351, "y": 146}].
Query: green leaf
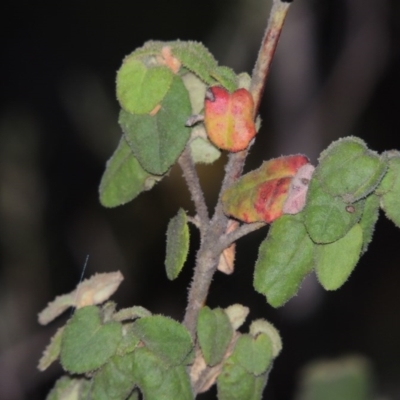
[
  {"x": 87, "y": 343},
  {"x": 214, "y": 332},
  {"x": 115, "y": 380},
  {"x": 52, "y": 351},
  {"x": 368, "y": 219},
  {"x": 124, "y": 177},
  {"x": 203, "y": 151},
  {"x": 167, "y": 338},
  {"x": 158, "y": 140},
  {"x": 197, "y": 91},
  {"x": 237, "y": 314},
  {"x": 284, "y": 258},
  {"x": 254, "y": 353},
  {"x": 196, "y": 58},
  {"x": 67, "y": 388},
  {"x": 334, "y": 262},
  {"x": 148, "y": 51},
  {"x": 160, "y": 381},
  {"x": 260, "y": 194},
  {"x": 262, "y": 326},
  {"x": 329, "y": 218},
  {"x": 392, "y": 174},
  {"x": 131, "y": 313},
  {"x": 235, "y": 383},
  {"x": 139, "y": 87},
  {"x": 390, "y": 187},
  {"x": 348, "y": 169},
  {"x": 177, "y": 244},
  {"x": 226, "y": 77},
  {"x": 129, "y": 340}
]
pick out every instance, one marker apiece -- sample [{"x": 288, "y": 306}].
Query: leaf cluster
[
  {"x": 159, "y": 86},
  {"x": 350, "y": 184}
]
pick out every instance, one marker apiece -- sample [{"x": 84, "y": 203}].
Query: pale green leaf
[
  {"x": 139, "y": 87},
  {"x": 177, "y": 244}
]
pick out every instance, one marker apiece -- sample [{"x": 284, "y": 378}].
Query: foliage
[{"x": 322, "y": 218}]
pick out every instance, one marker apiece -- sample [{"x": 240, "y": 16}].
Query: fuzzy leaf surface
[
  {"x": 329, "y": 218},
  {"x": 67, "y": 388},
  {"x": 226, "y": 77},
  {"x": 254, "y": 353},
  {"x": 262, "y": 326},
  {"x": 158, "y": 380},
  {"x": 334, "y": 262},
  {"x": 158, "y": 140},
  {"x": 139, "y": 87},
  {"x": 228, "y": 118},
  {"x": 115, "y": 380},
  {"x": 196, "y": 58},
  {"x": 87, "y": 343},
  {"x": 129, "y": 340},
  {"x": 368, "y": 220},
  {"x": 166, "y": 338},
  {"x": 349, "y": 170},
  {"x": 237, "y": 315},
  {"x": 203, "y": 151},
  {"x": 214, "y": 332},
  {"x": 235, "y": 383},
  {"x": 260, "y": 194},
  {"x": 197, "y": 91},
  {"x": 131, "y": 313},
  {"x": 124, "y": 178},
  {"x": 52, "y": 351},
  {"x": 177, "y": 244},
  {"x": 285, "y": 257},
  {"x": 390, "y": 187}
]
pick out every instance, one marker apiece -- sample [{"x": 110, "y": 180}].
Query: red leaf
[
  {"x": 228, "y": 118},
  {"x": 262, "y": 194}
]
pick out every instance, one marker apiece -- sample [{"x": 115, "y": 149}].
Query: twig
[
  {"x": 209, "y": 252},
  {"x": 260, "y": 73},
  {"x": 227, "y": 239},
  {"x": 193, "y": 183},
  {"x": 267, "y": 50}
]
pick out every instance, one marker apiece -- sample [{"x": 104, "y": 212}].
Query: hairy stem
[
  {"x": 193, "y": 183},
  {"x": 267, "y": 50},
  {"x": 214, "y": 240},
  {"x": 229, "y": 238}
]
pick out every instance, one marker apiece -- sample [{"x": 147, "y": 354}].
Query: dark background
[{"x": 336, "y": 73}]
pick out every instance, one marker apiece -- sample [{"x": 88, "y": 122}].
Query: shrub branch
[{"x": 211, "y": 247}]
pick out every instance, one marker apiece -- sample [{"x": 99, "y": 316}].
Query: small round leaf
[
  {"x": 214, "y": 331},
  {"x": 254, "y": 353},
  {"x": 87, "y": 343},
  {"x": 141, "y": 88},
  {"x": 329, "y": 218},
  {"x": 166, "y": 338},
  {"x": 348, "y": 169}
]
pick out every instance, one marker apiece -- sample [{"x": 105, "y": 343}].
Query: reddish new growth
[{"x": 228, "y": 118}]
